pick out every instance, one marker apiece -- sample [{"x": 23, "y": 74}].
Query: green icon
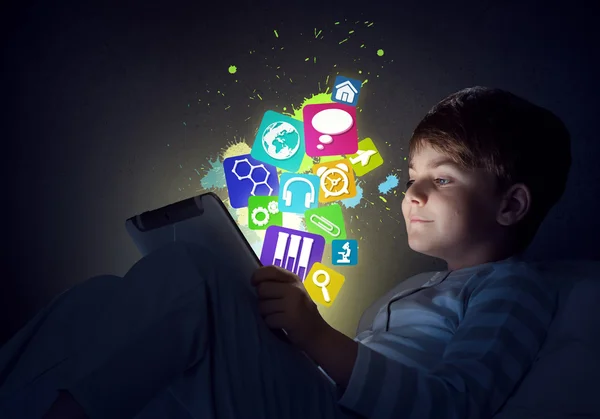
[
  {"x": 366, "y": 158},
  {"x": 327, "y": 222},
  {"x": 263, "y": 211}
]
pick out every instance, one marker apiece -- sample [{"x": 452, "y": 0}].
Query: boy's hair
[{"x": 509, "y": 137}]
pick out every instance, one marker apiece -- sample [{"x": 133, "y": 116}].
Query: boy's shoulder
[{"x": 509, "y": 278}]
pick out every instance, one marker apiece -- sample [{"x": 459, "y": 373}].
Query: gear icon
[
  {"x": 260, "y": 210},
  {"x": 273, "y": 207}
]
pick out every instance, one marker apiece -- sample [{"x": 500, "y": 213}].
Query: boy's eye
[{"x": 438, "y": 181}]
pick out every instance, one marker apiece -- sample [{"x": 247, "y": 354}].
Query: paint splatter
[
  {"x": 390, "y": 182},
  {"x": 295, "y": 221},
  {"x": 355, "y": 200},
  {"x": 257, "y": 247},
  {"x": 212, "y": 174},
  {"x": 306, "y": 165},
  {"x": 214, "y": 177},
  {"x": 236, "y": 148},
  {"x": 314, "y": 99}
]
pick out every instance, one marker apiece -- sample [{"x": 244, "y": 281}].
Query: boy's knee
[{"x": 176, "y": 267}]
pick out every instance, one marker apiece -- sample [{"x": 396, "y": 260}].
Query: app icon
[
  {"x": 323, "y": 284},
  {"x": 263, "y": 212},
  {"x": 298, "y": 193},
  {"x": 344, "y": 252},
  {"x": 247, "y": 177},
  {"x": 279, "y": 141},
  {"x": 366, "y": 158},
  {"x": 346, "y": 90},
  {"x": 291, "y": 249},
  {"x": 330, "y": 129},
  {"x": 336, "y": 180},
  {"x": 327, "y": 221}
]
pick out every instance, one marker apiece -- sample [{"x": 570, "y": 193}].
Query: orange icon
[{"x": 337, "y": 180}]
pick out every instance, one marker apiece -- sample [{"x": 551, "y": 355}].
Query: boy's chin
[{"x": 426, "y": 247}]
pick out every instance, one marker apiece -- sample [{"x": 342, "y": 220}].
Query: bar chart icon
[{"x": 293, "y": 250}]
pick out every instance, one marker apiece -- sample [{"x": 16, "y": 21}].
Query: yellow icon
[
  {"x": 323, "y": 284},
  {"x": 336, "y": 180}
]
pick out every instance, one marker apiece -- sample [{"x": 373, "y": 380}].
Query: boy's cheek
[{"x": 404, "y": 207}]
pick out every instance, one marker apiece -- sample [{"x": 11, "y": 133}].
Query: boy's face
[{"x": 449, "y": 212}]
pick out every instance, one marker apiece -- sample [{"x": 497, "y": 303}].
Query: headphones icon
[{"x": 287, "y": 194}]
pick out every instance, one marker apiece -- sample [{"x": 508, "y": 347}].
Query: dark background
[{"x": 95, "y": 97}]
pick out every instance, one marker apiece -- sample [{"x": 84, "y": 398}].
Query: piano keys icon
[{"x": 291, "y": 249}]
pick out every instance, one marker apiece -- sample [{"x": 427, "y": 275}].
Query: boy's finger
[
  {"x": 272, "y": 306},
  {"x": 271, "y": 273}
]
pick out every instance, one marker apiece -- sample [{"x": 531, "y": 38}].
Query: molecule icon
[
  {"x": 246, "y": 177},
  {"x": 255, "y": 182}
]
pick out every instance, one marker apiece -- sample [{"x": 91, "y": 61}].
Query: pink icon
[{"x": 330, "y": 129}]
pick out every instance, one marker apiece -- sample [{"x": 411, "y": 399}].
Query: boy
[{"x": 455, "y": 348}]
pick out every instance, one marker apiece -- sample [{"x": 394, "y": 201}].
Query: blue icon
[
  {"x": 279, "y": 141},
  {"x": 247, "y": 177},
  {"x": 344, "y": 252},
  {"x": 346, "y": 90},
  {"x": 298, "y": 193}
]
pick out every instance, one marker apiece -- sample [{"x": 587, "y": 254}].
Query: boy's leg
[
  {"x": 246, "y": 370},
  {"x": 183, "y": 318}
]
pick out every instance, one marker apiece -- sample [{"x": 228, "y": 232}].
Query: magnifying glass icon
[{"x": 322, "y": 284}]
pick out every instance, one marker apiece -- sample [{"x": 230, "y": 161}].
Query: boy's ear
[{"x": 514, "y": 205}]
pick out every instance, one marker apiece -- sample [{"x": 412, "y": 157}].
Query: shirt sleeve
[{"x": 503, "y": 328}]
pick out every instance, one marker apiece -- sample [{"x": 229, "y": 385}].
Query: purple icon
[{"x": 291, "y": 249}]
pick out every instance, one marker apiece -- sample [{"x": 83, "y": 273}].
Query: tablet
[{"x": 202, "y": 219}]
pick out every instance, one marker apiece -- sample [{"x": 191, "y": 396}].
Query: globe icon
[{"x": 281, "y": 140}]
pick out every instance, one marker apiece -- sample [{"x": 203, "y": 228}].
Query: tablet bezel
[{"x": 181, "y": 211}]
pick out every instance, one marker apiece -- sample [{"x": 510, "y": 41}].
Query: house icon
[{"x": 345, "y": 92}]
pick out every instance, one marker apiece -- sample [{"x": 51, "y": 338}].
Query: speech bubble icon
[{"x": 331, "y": 122}]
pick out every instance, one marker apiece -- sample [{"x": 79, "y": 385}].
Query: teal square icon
[
  {"x": 344, "y": 252},
  {"x": 298, "y": 193},
  {"x": 279, "y": 141}
]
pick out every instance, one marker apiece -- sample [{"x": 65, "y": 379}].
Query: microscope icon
[{"x": 347, "y": 251}]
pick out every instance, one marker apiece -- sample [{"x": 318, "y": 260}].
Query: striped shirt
[{"x": 455, "y": 348}]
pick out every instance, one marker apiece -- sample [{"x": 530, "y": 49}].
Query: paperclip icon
[{"x": 325, "y": 225}]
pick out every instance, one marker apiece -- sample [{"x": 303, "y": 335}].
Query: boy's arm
[{"x": 500, "y": 335}]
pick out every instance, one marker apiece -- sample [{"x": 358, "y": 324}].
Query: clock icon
[{"x": 334, "y": 180}]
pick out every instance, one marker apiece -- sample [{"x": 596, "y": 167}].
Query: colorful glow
[{"x": 377, "y": 198}]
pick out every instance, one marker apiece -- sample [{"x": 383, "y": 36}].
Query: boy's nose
[
  {"x": 416, "y": 194},
  {"x": 418, "y": 200}
]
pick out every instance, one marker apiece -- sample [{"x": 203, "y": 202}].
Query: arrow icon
[{"x": 363, "y": 157}]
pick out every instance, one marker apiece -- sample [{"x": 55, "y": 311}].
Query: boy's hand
[{"x": 284, "y": 304}]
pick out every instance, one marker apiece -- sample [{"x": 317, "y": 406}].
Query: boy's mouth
[{"x": 419, "y": 220}]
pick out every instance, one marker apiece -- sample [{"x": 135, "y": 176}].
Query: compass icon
[{"x": 336, "y": 180}]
